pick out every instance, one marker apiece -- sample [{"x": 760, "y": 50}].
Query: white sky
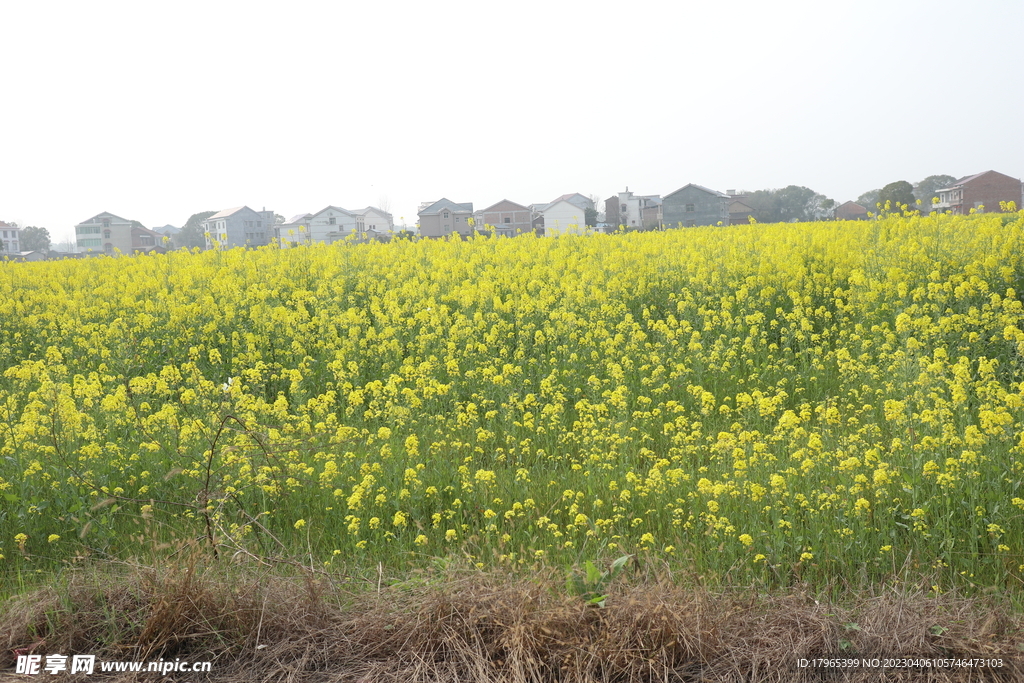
[{"x": 155, "y": 111}]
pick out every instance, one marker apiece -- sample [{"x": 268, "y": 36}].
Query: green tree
[
  {"x": 191, "y": 234},
  {"x": 35, "y": 239},
  {"x": 790, "y": 204},
  {"x": 897, "y": 194},
  {"x": 928, "y": 188},
  {"x": 869, "y": 200},
  {"x": 590, "y": 217}
]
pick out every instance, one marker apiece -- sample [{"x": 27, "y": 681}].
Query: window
[
  {"x": 106, "y": 234},
  {"x": 624, "y": 208},
  {"x": 90, "y": 242},
  {"x": 259, "y": 224},
  {"x": 508, "y": 219},
  {"x": 446, "y": 214},
  {"x": 332, "y": 221},
  {"x": 691, "y": 208},
  {"x": 106, "y": 223},
  {"x": 109, "y": 248}
]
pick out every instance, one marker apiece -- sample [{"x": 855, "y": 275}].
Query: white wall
[{"x": 563, "y": 217}]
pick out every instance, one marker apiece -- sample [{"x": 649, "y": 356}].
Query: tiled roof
[
  {"x": 445, "y": 203},
  {"x": 702, "y": 188},
  {"x": 227, "y": 212}
]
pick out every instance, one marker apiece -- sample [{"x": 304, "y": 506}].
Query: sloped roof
[
  {"x": 146, "y": 231},
  {"x": 561, "y": 201},
  {"x": 445, "y": 203},
  {"x": 102, "y": 214},
  {"x": 967, "y": 179},
  {"x": 228, "y": 212},
  {"x": 570, "y": 197},
  {"x": 299, "y": 217},
  {"x": 505, "y": 201},
  {"x": 332, "y": 207},
  {"x": 701, "y": 188}
]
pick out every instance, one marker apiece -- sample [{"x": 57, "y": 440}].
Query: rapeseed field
[{"x": 767, "y": 404}]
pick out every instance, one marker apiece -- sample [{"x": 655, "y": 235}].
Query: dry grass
[{"x": 256, "y": 626}]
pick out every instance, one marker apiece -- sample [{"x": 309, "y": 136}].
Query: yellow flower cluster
[{"x": 743, "y": 399}]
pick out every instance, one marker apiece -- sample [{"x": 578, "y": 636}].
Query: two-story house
[
  {"x": 981, "y": 192},
  {"x": 376, "y": 222},
  {"x": 332, "y": 224},
  {"x": 445, "y": 217},
  {"x": 11, "y": 236},
  {"x": 239, "y": 227},
  {"x": 110, "y": 234},
  {"x": 634, "y": 211},
  {"x": 508, "y": 218},
  {"x": 563, "y": 217},
  {"x": 693, "y": 205}
]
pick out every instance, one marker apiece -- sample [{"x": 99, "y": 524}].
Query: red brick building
[
  {"x": 851, "y": 211},
  {"x": 980, "y": 190}
]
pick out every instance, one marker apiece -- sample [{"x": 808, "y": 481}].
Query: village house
[
  {"x": 331, "y": 224},
  {"x": 11, "y": 236},
  {"x": 507, "y": 218},
  {"x": 445, "y": 217},
  {"x": 376, "y": 222},
  {"x": 563, "y": 217},
  {"x": 850, "y": 211},
  {"x": 110, "y": 234},
  {"x": 634, "y": 211},
  {"x": 239, "y": 227},
  {"x": 293, "y": 230},
  {"x": 981, "y": 192},
  {"x": 693, "y": 205}
]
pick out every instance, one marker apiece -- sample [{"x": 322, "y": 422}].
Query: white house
[
  {"x": 11, "y": 235},
  {"x": 293, "y": 230},
  {"x": 562, "y": 216},
  {"x": 239, "y": 227},
  {"x": 632, "y": 207},
  {"x": 376, "y": 220},
  {"x": 331, "y": 224}
]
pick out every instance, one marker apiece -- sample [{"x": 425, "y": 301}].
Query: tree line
[{"x": 796, "y": 203}]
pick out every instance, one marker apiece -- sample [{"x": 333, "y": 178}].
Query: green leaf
[
  {"x": 620, "y": 563},
  {"x": 594, "y": 574}
]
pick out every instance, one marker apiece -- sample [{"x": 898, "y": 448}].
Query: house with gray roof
[
  {"x": 445, "y": 217},
  {"x": 239, "y": 227},
  {"x": 693, "y": 205}
]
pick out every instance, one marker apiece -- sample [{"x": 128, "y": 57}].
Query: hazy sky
[{"x": 155, "y": 111}]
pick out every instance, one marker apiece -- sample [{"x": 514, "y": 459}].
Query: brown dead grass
[{"x": 255, "y": 626}]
